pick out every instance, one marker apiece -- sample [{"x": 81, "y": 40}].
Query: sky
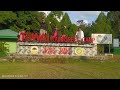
[{"x": 87, "y": 16}]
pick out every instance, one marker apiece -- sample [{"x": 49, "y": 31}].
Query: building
[{"x": 10, "y": 37}]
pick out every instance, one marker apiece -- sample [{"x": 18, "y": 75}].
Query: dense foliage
[
  {"x": 3, "y": 49},
  {"x": 31, "y": 20}
]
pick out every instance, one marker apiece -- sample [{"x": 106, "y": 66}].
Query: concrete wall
[
  {"x": 55, "y": 49},
  {"x": 10, "y": 44},
  {"x": 12, "y": 47}
]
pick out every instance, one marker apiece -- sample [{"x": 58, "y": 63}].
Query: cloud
[
  {"x": 85, "y": 21},
  {"x": 87, "y": 16},
  {"x": 89, "y": 13},
  {"x": 47, "y": 13}
]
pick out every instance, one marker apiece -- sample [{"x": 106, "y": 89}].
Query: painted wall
[
  {"x": 11, "y": 44},
  {"x": 12, "y": 47},
  {"x": 29, "y": 49}
]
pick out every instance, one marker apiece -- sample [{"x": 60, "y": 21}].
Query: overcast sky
[{"x": 87, "y": 16}]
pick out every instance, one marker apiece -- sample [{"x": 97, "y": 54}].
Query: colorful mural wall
[{"x": 56, "y": 49}]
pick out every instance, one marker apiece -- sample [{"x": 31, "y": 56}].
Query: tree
[
  {"x": 6, "y": 19},
  {"x": 51, "y": 18},
  {"x": 3, "y": 49},
  {"x": 27, "y": 20},
  {"x": 102, "y": 24},
  {"x": 114, "y": 17},
  {"x": 65, "y": 24},
  {"x": 57, "y": 14},
  {"x": 72, "y": 30},
  {"x": 66, "y": 21},
  {"x": 88, "y": 31},
  {"x": 40, "y": 16}
]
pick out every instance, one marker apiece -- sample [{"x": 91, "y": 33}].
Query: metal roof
[{"x": 8, "y": 33}]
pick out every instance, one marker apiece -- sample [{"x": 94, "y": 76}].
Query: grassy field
[{"x": 78, "y": 69}]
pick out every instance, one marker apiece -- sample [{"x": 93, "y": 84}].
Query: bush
[
  {"x": 2, "y": 54},
  {"x": 100, "y": 49},
  {"x": 3, "y": 49}
]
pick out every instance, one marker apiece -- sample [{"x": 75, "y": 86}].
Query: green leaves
[
  {"x": 3, "y": 49},
  {"x": 31, "y": 20},
  {"x": 19, "y": 20},
  {"x": 66, "y": 21},
  {"x": 114, "y": 17},
  {"x": 6, "y": 19},
  {"x": 102, "y": 24}
]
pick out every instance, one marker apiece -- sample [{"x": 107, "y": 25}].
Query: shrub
[
  {"x": 100, "y": 49},
  {"x": 3, "y": 49}
]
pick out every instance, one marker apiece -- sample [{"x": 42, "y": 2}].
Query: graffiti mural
[
  {"x": 65, "y": 50},
  {"x": 45, "y": 50},
  {"x": 34, "y": 50},
  {"x": 80, "y": 51},
  {"x": 23, "y": 50},
  {"x": 55, "y": 49},
  {"x": 48, "y": 50}
]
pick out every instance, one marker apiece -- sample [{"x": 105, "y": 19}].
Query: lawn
[{"x": 84, "y": 69}]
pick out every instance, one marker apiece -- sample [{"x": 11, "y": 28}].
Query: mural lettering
[
  {"x": 48, "y": 50},
  {"x": 56, "y": 50},
  {"x": 24, "y": 37},
  {"x": 64, "y": 50}
]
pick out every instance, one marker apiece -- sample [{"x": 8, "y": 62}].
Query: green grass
[{"x": 69, "y": 70}]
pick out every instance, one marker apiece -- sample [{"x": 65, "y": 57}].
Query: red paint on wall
[
  {"x": 48, "y": 50},
  {"x": 47, "y": 38},
  {"x": 64, "y": 50}
]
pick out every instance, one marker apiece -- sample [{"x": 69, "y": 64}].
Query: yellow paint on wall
[
  {"x": 79, "y": 51},
  {"x": 12, "y": 47}
]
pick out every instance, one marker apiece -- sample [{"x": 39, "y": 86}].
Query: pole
[
  {"x": 109, "y": 48},
  {"x": 103, "y": 49}
]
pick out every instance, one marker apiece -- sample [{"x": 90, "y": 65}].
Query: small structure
[
  {"x": 10, "y": 37},
  {"x": 41, "y": 45},
  {"x": 116, "y": 46}
]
